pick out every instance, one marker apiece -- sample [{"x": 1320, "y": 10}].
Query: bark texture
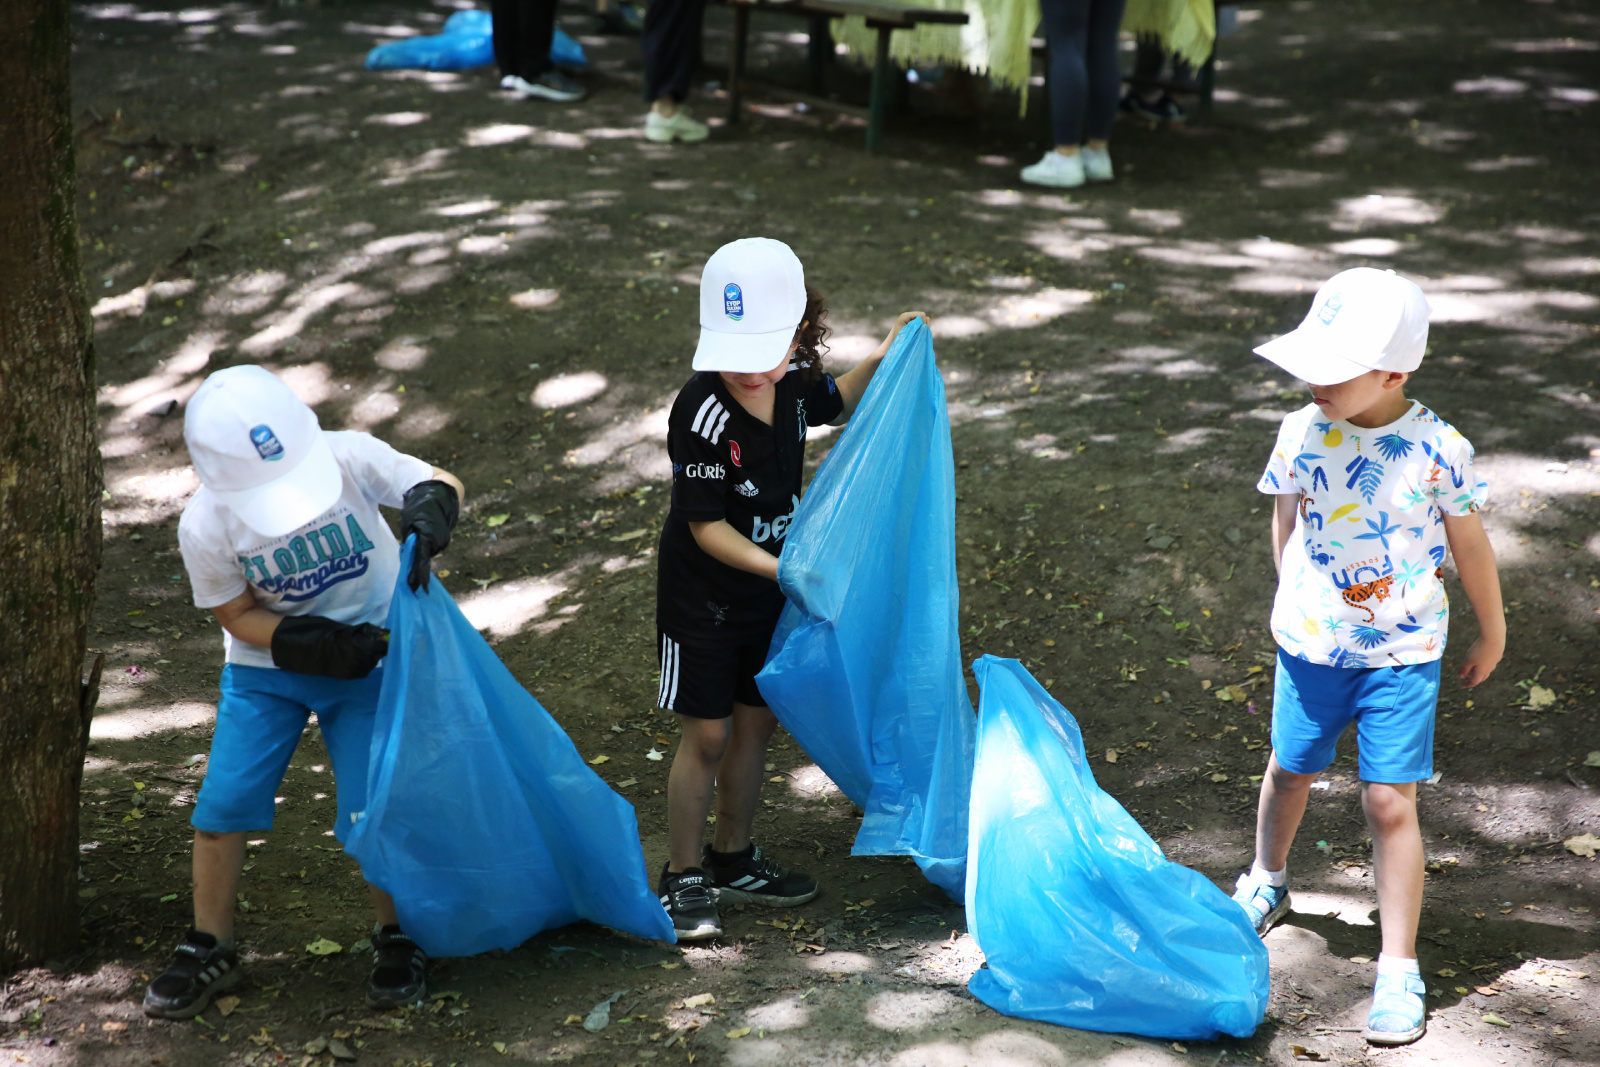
[{"x": 50, "y": 485}]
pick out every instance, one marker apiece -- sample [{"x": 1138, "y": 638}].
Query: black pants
[
  {"x": 522, "y": 33},
  {"x": 1085, "y": 72},
  {"x": 671, "y": 47}
]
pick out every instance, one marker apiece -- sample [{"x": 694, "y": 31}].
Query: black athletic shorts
[{"x": 705, "y": 683}]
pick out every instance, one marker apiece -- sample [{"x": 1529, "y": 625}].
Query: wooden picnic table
[{"x": 884, "y": 17}]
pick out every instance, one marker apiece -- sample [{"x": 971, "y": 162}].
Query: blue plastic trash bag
[
  {"x": 467, "y": 41},
  {"x": 1084, "y": 923},
  {"x": 865, "y": 667},
  {"x": 482, "y": 820}
]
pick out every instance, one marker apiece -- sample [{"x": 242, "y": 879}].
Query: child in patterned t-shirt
[{"x": 1371, "y": 490}]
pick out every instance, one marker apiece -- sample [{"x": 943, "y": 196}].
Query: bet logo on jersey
[{"x": 733, "y": 452}]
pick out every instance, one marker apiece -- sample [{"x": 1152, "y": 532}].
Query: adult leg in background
[
  {"x": 671, "y": 43},
  {"x": 523, "y": 30},
  {"x": 1066, "y": 30},
  {"x": 1103, "y": 70}
]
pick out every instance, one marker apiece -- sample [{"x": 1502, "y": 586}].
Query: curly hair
[{"x": 812, "y": 335}]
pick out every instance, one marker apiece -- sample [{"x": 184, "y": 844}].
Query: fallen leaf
[
  {"x": 653, "y": 755},
  {"x": 1582, "y": 845},
  {"x": 699, "y": 1000},
  {"x": 631, "y": 535},
  {"x": 323, "y": 947},
  {"x": 316, "y": 1046},
  {"x": 1205, "y": 683},
  {"x": 226, "y": 1005},
  {"x": 1360, "y": 959},
  {"x": 734, "y": 1035},
  {"x": 340, "y": 1050},
  {"x": 169, "y": 898},
  {"x": 1301, "y": 1052},
  {"x": 1487, "y": 990},
  {"x": 1494, "y": 1020},
  {"x": 626, "y": 782},
  {"x": 1540, "y": 697},
  {"x": 569, "y": 1020},
  {"x": 499, "y": 1046},
  {"x": 496, "y": 520},
  {"x": 112, "y": 1027},
  {"x": 599, "y": 760},
  {"x": 1179, "y": 1048},
  {"x": 1111, "y": 755},
  {"x": 1462, "y": 990},
  {"x": 1219, "y": 778},
  {"x": 1445, "y": 972},
  {"x": 1592, "y": 759}
]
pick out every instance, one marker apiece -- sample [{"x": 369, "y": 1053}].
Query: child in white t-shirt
[
  {"x": 1371, "y": 491},
  {"x": 284, "y": 543}
]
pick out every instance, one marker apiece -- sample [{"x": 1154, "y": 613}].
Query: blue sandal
[{"x": 1398, "y": 1016}]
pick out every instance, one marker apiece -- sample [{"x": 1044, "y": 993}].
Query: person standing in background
[
  {"x": 671, "y": 46},
  {"x": 1085, "y": 84},
  {"x": 523, "y": 30}
]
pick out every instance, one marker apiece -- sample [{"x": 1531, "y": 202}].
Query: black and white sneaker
[
  {"x": 399, "y": 970},
  {"x": 200, "y": 970},
  {"x": 689, "y": 900},
  {"x": 749, "y": 877},
  {"x": 551, "y": 85}
]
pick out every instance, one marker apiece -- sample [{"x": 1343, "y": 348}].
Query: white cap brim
[
  {"x": 1302, "y": 354},
  {"x": 287, "y": 503},
  {"x": 742, "y": 353}
]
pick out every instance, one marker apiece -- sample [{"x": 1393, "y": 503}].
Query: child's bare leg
[
  {"x": 383, "y": 904},
  {"x": 1278, "y": 814},
  {"x": 739, "y": 777},
  {"x": 1397, "y": 860},
  {"x": 689, "y": 786},
  {"x": 218, "y": 862}
]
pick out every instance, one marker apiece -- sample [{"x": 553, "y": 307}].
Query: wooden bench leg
[
  {"x": 1208, "y": 84},
  {"x": 741, "y": 33},
  {"x": 819, "y": 52},
  {"x": 882, "y": 69}
]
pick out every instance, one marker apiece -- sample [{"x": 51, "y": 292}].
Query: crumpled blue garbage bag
[
  {"x": 467, "y": 41},
  {"x": 865, "y": 666},
  {"x": 482, "y": 820},
  {"x": 1083, "y": 921}
]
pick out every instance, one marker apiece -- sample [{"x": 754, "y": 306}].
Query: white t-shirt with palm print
[{"x": 1361, "y": 581}]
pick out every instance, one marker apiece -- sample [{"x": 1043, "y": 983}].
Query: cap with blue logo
[
  {"x": 260, "y": 450},
  {"x": 752, "y": 298},
  {"x": 1361, "y": 320}
]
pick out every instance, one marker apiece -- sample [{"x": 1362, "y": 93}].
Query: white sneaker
[
  {"x": 1096, "y": 164},
  {"x": 551, "y": 85},
  {"x": 1055, "y": 169},
  {"x": 680, "y": 127}
]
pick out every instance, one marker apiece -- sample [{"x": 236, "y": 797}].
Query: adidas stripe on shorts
[{"x": 705, "y": 682}]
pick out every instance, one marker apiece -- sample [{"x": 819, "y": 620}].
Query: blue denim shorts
[
  {"x": 259, "y": 722},
  {"x": 1392, "y": 707}
]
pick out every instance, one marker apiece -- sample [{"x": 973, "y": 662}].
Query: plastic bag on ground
[
  {"x": 865, "y": 667},
  {"x": 467, "y": 41},
  {"x": 482, "y": 820},
  {"x": 1083, "y": 921}
]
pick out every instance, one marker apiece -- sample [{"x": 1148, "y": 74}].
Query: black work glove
[
  {"x": 429, "y": 510},
  {"x": 310, "y": 644}
]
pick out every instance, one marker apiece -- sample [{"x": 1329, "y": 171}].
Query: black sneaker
[
  {"x": 551, "y": 85},
  {"x": 624, "y": 19},
  {"x": 749, "y": 877},
  {"x": 399, "y": 970},
  {"x": 200, "y": 970},
  {"x": 1163, "y": 109},
  {"x": 689, "y": 899}
]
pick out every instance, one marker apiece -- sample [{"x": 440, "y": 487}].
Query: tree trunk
[{"x": 50, "y": 484}]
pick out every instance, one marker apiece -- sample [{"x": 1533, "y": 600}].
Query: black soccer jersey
[{"x": 727, "y": 464}]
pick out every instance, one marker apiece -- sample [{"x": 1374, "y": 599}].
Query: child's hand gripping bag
[
  {"x": 865, "y": 666},
  {"x": 1083, "y": 921},
  {"x": 482, "y": 820}
]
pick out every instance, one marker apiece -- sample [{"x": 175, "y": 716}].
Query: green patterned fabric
[
  {"x": 1185, "y": 28},
  {"x": 996, "y": 41}
]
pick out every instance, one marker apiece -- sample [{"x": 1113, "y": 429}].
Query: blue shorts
[
  {"x": 259, "y": 722},
  {"x": 1393, "y": 709}
]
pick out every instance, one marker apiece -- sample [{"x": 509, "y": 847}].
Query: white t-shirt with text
[
  {"x": 342, "y": 565},
  {"x": 1361, "y": 583}
]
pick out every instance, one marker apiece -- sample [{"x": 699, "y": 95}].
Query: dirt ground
[{"x": 507, "y": 289}]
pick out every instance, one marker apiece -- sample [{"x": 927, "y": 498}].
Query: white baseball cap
[
  {"x": 260, "y": 450},
  {"x": 1362, "y": 319},
  {"x": 752, "y": 298}
]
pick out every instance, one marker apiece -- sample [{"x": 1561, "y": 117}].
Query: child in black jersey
[{"x": 736, "y": 438}]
